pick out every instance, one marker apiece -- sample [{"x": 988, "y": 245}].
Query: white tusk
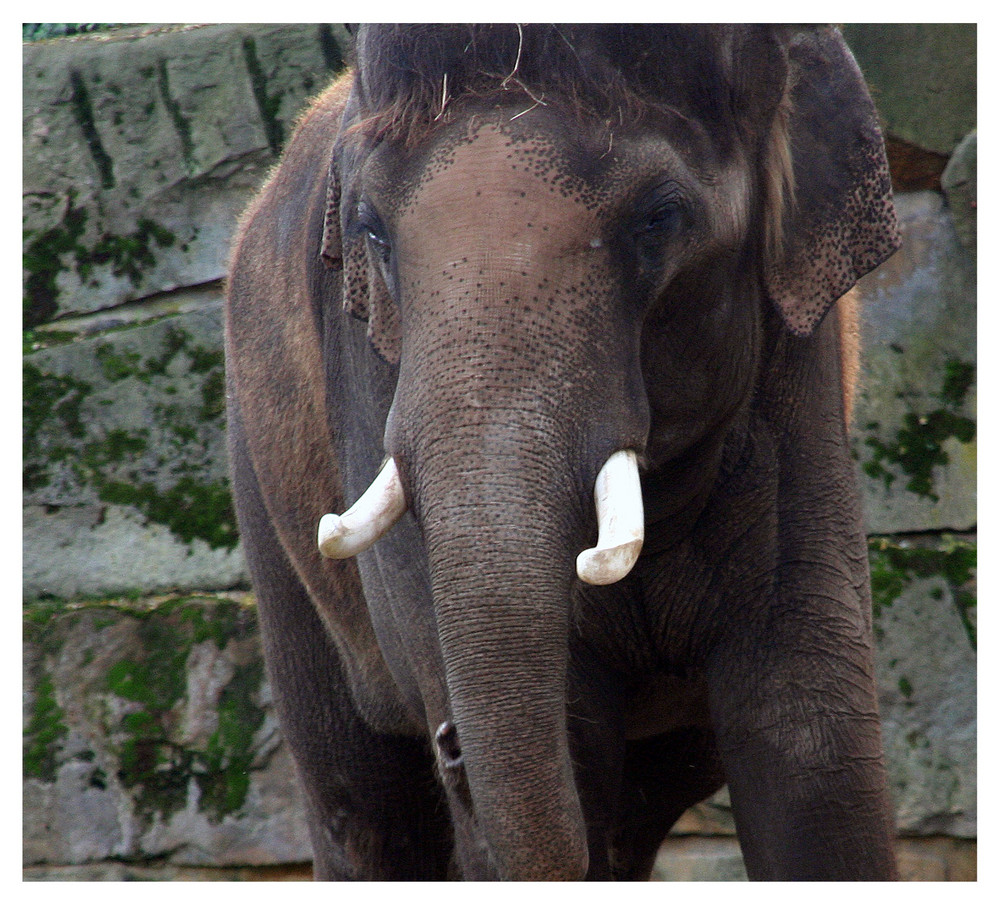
[
  {"x": 618, "y": 496},
  {"x": 374, "y": 513}
]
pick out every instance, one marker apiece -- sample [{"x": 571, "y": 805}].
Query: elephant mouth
[{"x": 617, "y": 497}]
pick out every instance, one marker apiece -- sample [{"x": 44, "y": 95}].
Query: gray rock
[
  {"x": 142, "y": 407},
  {"x": 149, "y": 734},
  {"x": 914, "y": 422},
  {"x": 922, "y": 77},
  {"x": 103, "y": 549},
  {"x": 959, "y": 183},
  {"x": 926, "y": 667},
  {"x": 699, "y": 860},
  {"x": 125, "y": 468},
  {"x": 141, "y": 148}
]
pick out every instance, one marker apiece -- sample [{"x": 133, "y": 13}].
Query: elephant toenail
[{"x": 447, "y": 742}]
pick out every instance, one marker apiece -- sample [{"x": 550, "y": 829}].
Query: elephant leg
[
  {"x": 664, "y": 776},
  {"x": 800, "y": 741},
  {"x": 373, "y": 807}
]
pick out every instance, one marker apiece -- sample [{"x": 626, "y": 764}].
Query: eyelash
[
  {"x": 369, "y": 225},
  {"x": 664, "y": 220}
]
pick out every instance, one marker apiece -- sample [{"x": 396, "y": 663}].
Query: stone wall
[{"x": 150, "y": 746}]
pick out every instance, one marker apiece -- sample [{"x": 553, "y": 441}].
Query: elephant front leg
[
  {"x": 373, "y": 807},
  {"x": 801, "y": 745}
]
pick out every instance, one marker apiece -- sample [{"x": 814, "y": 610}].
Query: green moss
[
  {"x": 44, "y": 730},
  {"x": 47, "y": 399},
  {"x": 213, "y": 396},
  {"x": 230, "y": 750},
  {"x": 84, "y": 115},
  {"x": 895, "y": 567},
  {"x": 174, "y": 341},
  {"x": 205, "y": 361},
  {"x": 156, "y": 682},
  {"x": 212, "y": 623},
  {"x": 190, "y": 509},
  {"x": 181, "y": 124},
  {"x": 958, "y": 379},
  {"x": 147, "y": 691},
  {"x": 118, "y": 445},
  {"x": 116, "y": 365},
  {"x": 42, "y": 260},
  {"x": 33, "y": 340},
  {"x": 114, "y": 463},
  {"x": 39, "y": 613},
  {"x": 129, "y": 256},
  {"x": 917, "y": 448},
  {"x": 152, "y": 764}
]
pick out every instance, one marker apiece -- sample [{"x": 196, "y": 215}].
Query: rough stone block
[
  {"x": 914, "y": 422},
  {"x": 699, "y": 860},
  {"x": 124, "y": 460},
  {"x": 141, "y": 148},
  {"x": 925, "y": 627},
  {"x": 149, "y": 734},
  {"x": 922, "y": 77},
  {"x": 936, "y": 860},
  {"x": 711, "y": 817},
  {"x": 959, "y": 181}
]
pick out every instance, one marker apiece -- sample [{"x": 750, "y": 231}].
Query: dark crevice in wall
[
  {"x": 267, "y": 105},
  {"x": 330, "y": 48},
  {"x": 914, "y": 168},
  {"x": 84, "y": 114},
  {"x": 181, "y": 125}
]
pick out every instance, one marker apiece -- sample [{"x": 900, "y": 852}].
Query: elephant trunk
[{"x": 501, "y": 598}]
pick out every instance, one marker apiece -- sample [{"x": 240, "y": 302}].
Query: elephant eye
[
  {"x": 379, "y": 245},
  {"x": 370, "y": 225},
  {"x": 662, "y": 218}
]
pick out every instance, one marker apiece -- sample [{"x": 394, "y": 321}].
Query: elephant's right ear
[
  {"x": 840, "y": 222},
  {"x": 365, "y": 294}
]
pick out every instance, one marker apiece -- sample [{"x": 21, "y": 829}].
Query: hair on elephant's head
[{"x": 572, "y": 244}]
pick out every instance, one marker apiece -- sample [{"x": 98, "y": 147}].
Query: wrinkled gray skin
[{"x": 501, "y": 298}]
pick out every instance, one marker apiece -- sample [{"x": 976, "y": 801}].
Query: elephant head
[{"x": 570, "y": 245}]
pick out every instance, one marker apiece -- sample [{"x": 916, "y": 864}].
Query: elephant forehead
[{"x": 523, "y": 187}]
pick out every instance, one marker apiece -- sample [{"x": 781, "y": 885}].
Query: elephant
[{"x": 540, "y": 350}]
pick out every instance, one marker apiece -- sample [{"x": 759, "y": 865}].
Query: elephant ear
[
  {"x": 365, "y": 294},
  {"x": 840, "y": 223}
]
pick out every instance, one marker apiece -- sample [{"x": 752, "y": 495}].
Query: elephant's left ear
[{"x": 840, "y": 223}]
